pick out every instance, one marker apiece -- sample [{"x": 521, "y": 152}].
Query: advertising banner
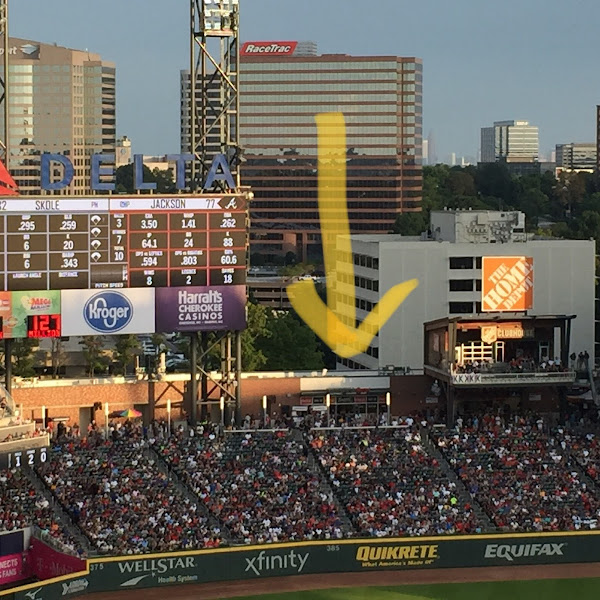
[
  {"x": 268, "y": 48},
  {"x": 46, "y": 562},
  {"x": 214, "y": 308},
  {"x": 507, "y": 283},
  {"x": 15, "y": 307},
  {"x": 107, "y": 312},
  {"x": 11, "y": 568}
]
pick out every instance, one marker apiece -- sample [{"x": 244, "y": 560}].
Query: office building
[
  {"x": 457, "y": 264},
  {"x": 61, "y": 101},
  {"x": 510, "y": 141},
  {"x": 576, "y": 157},
  {"x": 283, "y": 86}
]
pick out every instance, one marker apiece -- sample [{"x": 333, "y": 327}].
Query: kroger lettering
[
  {"x": 108, "y": 311},
  {"x": 509, "y": 553},
  {"x": 276, "y": 562}
]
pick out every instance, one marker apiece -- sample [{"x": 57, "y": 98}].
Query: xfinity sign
[{"x": 219, "y": 171}]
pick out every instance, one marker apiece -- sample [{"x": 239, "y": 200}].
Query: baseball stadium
[{"x": 472, "y": 474}]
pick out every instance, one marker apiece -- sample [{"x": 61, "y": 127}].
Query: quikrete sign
[
  {"x": 219, "y": 171},
  {"x": 507, "y": 283}
]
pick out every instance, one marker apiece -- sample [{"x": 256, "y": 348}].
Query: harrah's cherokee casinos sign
[
  {"x": 268, "y": 48},
  {"x": 507, "y": 283}
]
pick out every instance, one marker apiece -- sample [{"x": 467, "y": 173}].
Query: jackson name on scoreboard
[{"x": 55, "y": 243}]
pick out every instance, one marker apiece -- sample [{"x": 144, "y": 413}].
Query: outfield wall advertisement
[{"x": 309, "y": 558}]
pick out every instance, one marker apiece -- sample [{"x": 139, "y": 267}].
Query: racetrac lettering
[
  {"x": 264, "y": 562},
  {"x": 371, "y": 553},
  {"x": 157, "y": 565},
  {"x": 510, "y": 553},
  {"x": 268, "y": 48}
]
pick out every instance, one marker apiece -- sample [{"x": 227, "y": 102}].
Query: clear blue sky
[{"x": 483, "y": 60}]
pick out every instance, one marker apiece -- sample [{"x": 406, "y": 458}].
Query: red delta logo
[{"x": 8, "y": 186}]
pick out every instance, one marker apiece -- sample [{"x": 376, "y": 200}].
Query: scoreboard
[{"x": 97, "y": 242}]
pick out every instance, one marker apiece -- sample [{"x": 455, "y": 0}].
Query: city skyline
[{"x": 464, "y": 89}]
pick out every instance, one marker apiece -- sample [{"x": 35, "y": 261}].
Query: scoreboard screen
[{"x": 57, "y": 243}]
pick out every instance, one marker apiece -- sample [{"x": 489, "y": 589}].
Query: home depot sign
[{"x": 507, "y": 283}]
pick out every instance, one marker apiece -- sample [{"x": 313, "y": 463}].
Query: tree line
[{"x": 567, "y": 206}]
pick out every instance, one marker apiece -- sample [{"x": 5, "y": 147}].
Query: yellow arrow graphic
[{"x": 335, "y": 327}]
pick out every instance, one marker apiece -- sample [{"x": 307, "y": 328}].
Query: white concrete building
[{"x": 455, "y": 276}]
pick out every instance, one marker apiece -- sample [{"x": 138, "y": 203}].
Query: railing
[
  {"x": 533, "y": 377},
  {"x": 8, "y": 399},
  {"x": 26, "y": 443}
]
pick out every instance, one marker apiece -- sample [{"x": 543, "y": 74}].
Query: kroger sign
[
  {"x": 219, "y": 171},
  {"x": 108, "y": 312}
]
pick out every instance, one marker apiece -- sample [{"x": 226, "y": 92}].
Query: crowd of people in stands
[
  {"x": 22, "y": 506},
  {"x": 119, "y": 497},
  {"x": 522, "y": 475},
  {"x": 147, "y": 489},
  {"x": 259, "y": 485},
  {"x": 390, "y": 484}
]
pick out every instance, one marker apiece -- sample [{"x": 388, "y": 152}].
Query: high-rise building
[
  {"x": 576, "y": 157},
  {"x": 61, "y": 101},
  {"x": 510, "y": 141},
  {"x": 283, "y": 85}
]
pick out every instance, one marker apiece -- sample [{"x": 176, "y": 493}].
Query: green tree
[
  {"x": 93, "y": 354},
  {"x": 57, "y": 356},
  {"x": 411, "y": 223},
  {"x": 252, "y": 356},
  {"x": 23, "y": 358},
  {"x": 124, "y": 351},
  {"x": 165, "y": 183},
  {"x": 290, "y": 345}
]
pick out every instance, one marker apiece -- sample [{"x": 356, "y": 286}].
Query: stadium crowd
[
  {"x": 119, "y": 497},
  {"x": 259, "y": 485},
  {"x": 390, "y": 484},
  {"x": 521, "y": 474},
  {"x": 300, "y": 484}
]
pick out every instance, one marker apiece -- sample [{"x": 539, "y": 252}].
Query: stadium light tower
[
  {"x": 214, "y": 106},
  {"x": 214, "y": 86}
]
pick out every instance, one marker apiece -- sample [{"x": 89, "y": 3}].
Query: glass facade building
[
  {"x": 60, "y": 101},
  {"x": 510, "y": 140},
  {"x": 381, "y": 99}
]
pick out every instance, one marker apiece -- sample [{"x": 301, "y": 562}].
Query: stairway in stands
[
  {"x": 316, "y": 467},
  {"x": 461, "y": 490},
  {"x": 162, "y": 465},
  {"x": 63, "y": 517}
]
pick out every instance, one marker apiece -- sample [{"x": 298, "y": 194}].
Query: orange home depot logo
[{"x": 507, "y": 283}]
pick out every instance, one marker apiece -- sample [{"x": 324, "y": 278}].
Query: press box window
[
  {"x": 461, "y": 285},
  {"x": 461, "y": 262}
]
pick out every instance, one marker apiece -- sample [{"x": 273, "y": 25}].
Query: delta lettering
[{"x": 219, "y": 171}]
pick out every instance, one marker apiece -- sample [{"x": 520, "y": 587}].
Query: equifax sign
[
  {"x": 268, "y": 48},
  {"x": 507, "y": 283}
]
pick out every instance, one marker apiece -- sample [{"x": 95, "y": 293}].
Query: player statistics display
[{"x": 96, "y": 242}]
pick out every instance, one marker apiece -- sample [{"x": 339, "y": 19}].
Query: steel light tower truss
[
  {"x": 214, "y": 129},
  {"x": 214, "y": 86},
  {"x": 4, "y": 81}
]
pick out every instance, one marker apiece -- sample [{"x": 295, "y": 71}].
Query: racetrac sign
[
  {"x": 507, "y": 283},
  {"x": 268, "y": 48}
]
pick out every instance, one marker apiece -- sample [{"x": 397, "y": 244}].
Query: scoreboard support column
[
  {"x": 8, "y": 347},
  {"x": 194, "y": 377},
  {"x": 238, "y": 378}
]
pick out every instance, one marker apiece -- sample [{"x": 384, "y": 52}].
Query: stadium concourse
[{"x": 147, "y": 490}]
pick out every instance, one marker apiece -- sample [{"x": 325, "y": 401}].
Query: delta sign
[{"x": 219, "y": 171}]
